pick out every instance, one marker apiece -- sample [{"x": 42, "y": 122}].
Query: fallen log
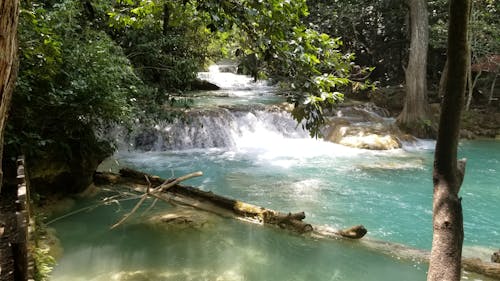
[
  {"x": 486, "y": 268},
  {"x": 290, "y": 221}
]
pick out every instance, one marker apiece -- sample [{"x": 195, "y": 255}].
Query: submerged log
[
  {"x": 290, "y": 221},
  {"x": 486, "y": 268}
]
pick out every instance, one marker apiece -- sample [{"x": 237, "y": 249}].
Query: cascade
[
  {"x": 243, "y": 112},
  {"x": 238, "y": 84},
  {"x": 219, "y": 127}
]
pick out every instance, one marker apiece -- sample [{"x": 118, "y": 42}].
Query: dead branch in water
[{"x": 162, "y": 187}]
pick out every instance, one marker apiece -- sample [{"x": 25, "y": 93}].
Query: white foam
[
  {"x": 419, "y": 144},
  {"x": 243, "y": 84}
]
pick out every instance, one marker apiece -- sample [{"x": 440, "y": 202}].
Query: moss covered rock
[{"x": 66, "y": 167}]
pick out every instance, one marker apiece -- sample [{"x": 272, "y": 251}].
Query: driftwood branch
[
  {"x": 136, "y": 207},
  {"x": 150, "y": 192}
]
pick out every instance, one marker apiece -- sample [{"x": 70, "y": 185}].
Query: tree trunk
[
  {"x": 474, "y": 82},
  {"x": 166, "y": 18},
  {"x": 469, "y": 80},
  {"x": 492, "y": 89},
  {"x": 446, "y": 253},
  {"x": 9, "y": 14},
  {"x": 415, "y": 115}
]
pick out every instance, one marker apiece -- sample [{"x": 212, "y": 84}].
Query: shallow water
[
  {"x": 226, "y": 250},
  {"x": 390, "y": 192}
]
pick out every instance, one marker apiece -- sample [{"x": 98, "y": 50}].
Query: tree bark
[
  {"x": 492, "y": 89},
  {"x": 470, "y": 85},
  {"x": 446, "y": 253},
  {"x": 9, "y": 14},
  {"x": 415, "y": 114}
]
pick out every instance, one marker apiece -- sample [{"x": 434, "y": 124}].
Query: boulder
[
  {"x": 363, "y": 137},
  {"x": 203, "y": 85},
  {"x": 365, "y": 112},
  {"x": 363, "y": 126},
  {"x": 66, "y": 168}
]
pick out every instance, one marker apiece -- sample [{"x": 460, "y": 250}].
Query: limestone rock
[
  {"x": 203, "y": 85},
  {"x": 376, "y": 136},
  {"x": 364, "y": 126},
  {"x": 372, "y": 141}
]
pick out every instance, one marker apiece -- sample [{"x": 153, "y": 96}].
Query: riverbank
[{"x": 481, "y": 121}]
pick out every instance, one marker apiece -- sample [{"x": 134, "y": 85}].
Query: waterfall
[
  {"x": 246, "y": 114},
  {"x": 218, "y": 127},
  {"x": 235, "y": 84}
]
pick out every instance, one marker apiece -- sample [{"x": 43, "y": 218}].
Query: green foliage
[
  {"x": 484, "y": 32},
  {"x": 376, "y": 31},
  {"x": 72, "y": 78},
  {"x": 44, "y": 263},
  {"x": 165, "y": 55}
]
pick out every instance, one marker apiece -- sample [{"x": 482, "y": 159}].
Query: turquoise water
[
  {"x": 390, "y": 192},
  {"x": 228, "y": 250}
]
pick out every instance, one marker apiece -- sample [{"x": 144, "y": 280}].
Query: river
[{"x": 260, "y": 156}]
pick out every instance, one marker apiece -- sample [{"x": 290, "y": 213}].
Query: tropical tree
[
  {"x": 176, "y": 30},
  {"x": 415, "y": 115},
  {"x": 484, "y": 38},
  {"x": 446, "y": 253},
  {"x": 9, "y": 13},
  {"x": 379, "y": 32}
]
